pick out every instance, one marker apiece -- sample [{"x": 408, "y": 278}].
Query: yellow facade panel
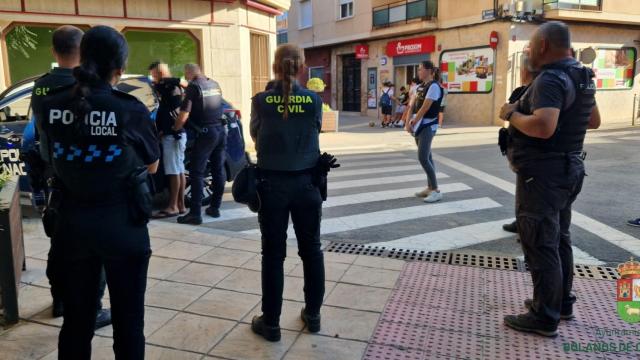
[
  {"x": 12, "y": 5},
  {"x": 101, "y": 7},
  {"x": 192, "y": 10},
  {"x": 148, "y": 9},
  {"x": 51, "y": 6}
]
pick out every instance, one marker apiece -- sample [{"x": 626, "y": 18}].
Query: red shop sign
[
  {"x": 362, "y": 51},
  {"x": 421, "y": 45}
]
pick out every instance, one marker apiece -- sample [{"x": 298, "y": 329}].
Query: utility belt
[
  {"x": 319, "y": 178},
  {"x": 203, "y": 129}
]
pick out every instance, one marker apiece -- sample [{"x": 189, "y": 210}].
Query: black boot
[
  {"x": 565, "y": 314},
  {"x": 214, "y": 213},
  {"x": 512, "y": 228},
  {"x": 103, "y": 318},
  {"x": 58, "y": 308},
  {"x": 190, "y": 219},
  {"x": 528, "y": 323},
  {"x": 312, "y": 321},
  {"x": 270, "y": 333}
]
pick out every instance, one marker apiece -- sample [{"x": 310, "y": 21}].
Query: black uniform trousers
[
  {"x": 545, "y": 192},
  {"x": 281, "y": 194},
  {"x": 209, "y": 146},
  {"x": 93, "y": 238}
]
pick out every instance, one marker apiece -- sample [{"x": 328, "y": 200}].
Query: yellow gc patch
[{"x": 295, "y": 103}]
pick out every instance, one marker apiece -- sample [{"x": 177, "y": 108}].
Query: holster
[
  {"x": 320, "y": 180},
  {"x": 51, "y": 212},
  {"x": 503, "y": 140},
  {"x": 140, "y": 196}
]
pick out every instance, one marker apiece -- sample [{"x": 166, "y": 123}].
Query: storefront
[{"x": 407, "y": 56}]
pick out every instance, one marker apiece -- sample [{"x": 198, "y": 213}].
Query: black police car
[{"x": 17, "y": 132}]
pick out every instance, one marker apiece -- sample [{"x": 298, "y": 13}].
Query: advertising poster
[
  {"x": 614, "y": 68},
  {"x": 468, "y": 70}
]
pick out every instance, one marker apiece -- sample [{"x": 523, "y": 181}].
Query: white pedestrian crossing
[
  {"x": 391, "y": 169},
  {"x": 392, "y": 181}
]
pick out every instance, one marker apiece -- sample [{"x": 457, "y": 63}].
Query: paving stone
[
  {"x": 367, "y": 276},
  {"x": 183, "y": 250},
  {"x": 27, "y": 341},
  {"x": 289, "y": 318},
  {"x": 154, "y": 319},
  {"x": 226, "y": 257},
  {"x": 332, "y": 271},
  {"x": 46, "y": 317},
  {"x": 294, "y": 288},
  {"x": 192, "y": 332},
  {"x": 242, "y": 344},
  {"x": 202, "y": 274},
  {"x": 159, "y": 353},
  {"x": 162, "y": 268},
  {"x": 33, "y": 300},
  {"x": 310, "y": 347},
  {"x": 35, "y": 273},
  {"x": 347, "y": 323},
  {"x": 379, "y": 262},
  {"x": 173, "y": 295},
  {"x": 339, "y": 258},
  {"x": 242, "y": 244},
  {"x": 242, "y": 280},
  {"x": 358, "y": 297},
  {"x": 159, "y": 243},
  {"x": 225, "y": 304}
]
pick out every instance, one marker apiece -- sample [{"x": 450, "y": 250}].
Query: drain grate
[{"x": 463, "y": 259}]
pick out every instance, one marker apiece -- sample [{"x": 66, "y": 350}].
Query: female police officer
[
  {"x": 285, "y": 126},
  {"x": 99, "y": 137}
]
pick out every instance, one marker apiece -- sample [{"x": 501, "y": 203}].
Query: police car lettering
[
  {"x": 295, "y": 102},
  {"x": 102, "y": 123}
]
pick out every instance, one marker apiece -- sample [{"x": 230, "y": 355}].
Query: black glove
[{"x": 326, "y": 162}]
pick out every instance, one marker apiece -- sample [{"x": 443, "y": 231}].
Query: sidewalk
[{"x": 204, "y": 288}]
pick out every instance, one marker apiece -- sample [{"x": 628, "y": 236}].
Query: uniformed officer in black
[
  {"x": 547, "y": 129},
  {"x": 99, "y": 137},
  {"x": 66, "y": 51},
  {"x": 202, "y": 108},
  {"x": 285, "y": 126}
]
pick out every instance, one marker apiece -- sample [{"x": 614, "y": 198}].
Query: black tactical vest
[
  {"x": 292, "y": 144},
  {"x": 208, "y": 112},
  {"x": 573, "y": 121},
  {"x": 92, "y": 158},
  {"x": 421, "y": 95}
]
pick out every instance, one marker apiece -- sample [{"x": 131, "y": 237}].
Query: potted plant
[
  {"x": 11, "y": 248},
  {"x": 330, "y": 117}
]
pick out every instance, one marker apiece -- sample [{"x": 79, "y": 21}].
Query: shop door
[
  {"x": 259, "y": 62},
  {"x": 350, "y": 83}
]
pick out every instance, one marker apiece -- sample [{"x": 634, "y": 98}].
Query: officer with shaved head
[{"x": 547, "y": 130}]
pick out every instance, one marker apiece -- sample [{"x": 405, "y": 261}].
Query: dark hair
[
  {"x": 402, "y": 88},
  {"x": 415, "y": 80},
  {"x": 66, "y": 40},
  {"x": 437, "y": 74},
  {"x": 102, "y": 51},
  {"x": 428, "y": 65},
  {"x": 557, "y": 34},
  {"x": 154, "y": 65},
  {"x": 289, "y": 60}
]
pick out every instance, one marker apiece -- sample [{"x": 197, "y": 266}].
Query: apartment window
[
  {"x": 316, "y": 72},
  {"x": 305, "y": 19},
  {"x": 614, "y": 68},
  {"x": 346, "y": 9},
  {"x": 282, "y": 38}
]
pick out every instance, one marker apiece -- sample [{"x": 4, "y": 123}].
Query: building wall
[{"x": 315, "y": 58}]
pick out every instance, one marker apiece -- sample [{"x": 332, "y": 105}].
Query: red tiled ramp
[{"x": 440, "y": 311}]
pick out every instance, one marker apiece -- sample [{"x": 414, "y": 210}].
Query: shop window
[
  {"x": 316, "y": 72},
  {"x": 346, "y": 9},
  {"x": 614, "y": 68},
  {"x": 305, "y": 18},
  {"x": 173, "y": 47}
]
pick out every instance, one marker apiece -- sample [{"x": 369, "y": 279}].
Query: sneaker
[
  {"x": 528, "y": 323},
  {"x": 635, "y": 222},
  {"x": 103, "y": 318},
  {"x": 190, "y": 219},
  {"x": 214, "y": 213},
  {"x": 269, "y": 333},
  {"x": 58, "y": 308},
  {"x": 433, "y": 197},
  {"x": 424, "y": 193},
  {"x": 564, "y": 315},
  {"x": 512, "y": 228},
  {"x": 312, "y": 321}
]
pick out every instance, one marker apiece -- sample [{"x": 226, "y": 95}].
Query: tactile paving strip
[{"x": 440, "y": 311}]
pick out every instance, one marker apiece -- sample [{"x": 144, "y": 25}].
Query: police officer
[
  {"x": 285, "y": 126},
  {"x": 547, "y": 128},
  {"x": 66, "y": 51},
  {"x": 102, "y": 143},
  {"x": 202, "y": 108}
]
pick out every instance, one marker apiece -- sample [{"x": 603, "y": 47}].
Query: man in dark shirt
[
  {"x": 174, "y": 143},
  {"x": 66, "y": 51},
  {"x": 547, "y": 129}
]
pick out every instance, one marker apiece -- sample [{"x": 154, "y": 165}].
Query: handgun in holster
[
  {"x": 51, "y": 212},
  {"x": 140, "y": 196}
]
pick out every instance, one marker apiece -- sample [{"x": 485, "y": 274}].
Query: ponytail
[{"x": 288, "y": 63}]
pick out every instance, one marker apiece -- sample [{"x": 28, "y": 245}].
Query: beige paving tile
[
  {"x": 359, "y": 297},
  {"x": 46, "y": 317},
  {"x": 243, "y": 344},
  {"x": 379, "y": 262},
  {"x": 255, "y": 264},
  {"x": 28, "y": 341},
  {"x": 33, "y": 300},
  {"x": 294, "y": 288},
  {"x": 312, "y": 347},
  {"x": 242, "y": 280},
  {"x": 226, "y": 257},
  {"x": 162, "y": 268},
  {"x": 199, "y": 237},
  {"x": 192, "y": 332},
  {"x": 36, "y": 245},
  {"x": 159, "y": 243},
  {"x": 347, "y": 323},
  {"x": 36, "y": 271},
  {"x": 339, "y": 258},
  {"x": 289, "y": 318},
  {"x": 202, "y": 274},
  {"x": 332, "y": 271},
  {"x": 159, "y": 353},
  {"x": 368, "y": 276},
  {"x": 225, "y": 304},
  {"x": 183, "y": 250},
  {"x": 173, "y": 295},
  {"x": 242, "y": 244},
  {"x": 154, "y": 318}
]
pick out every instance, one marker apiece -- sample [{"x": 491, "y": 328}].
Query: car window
[
  {"x": 19, "y": 110},
  {"x": 139, "y": 88}
]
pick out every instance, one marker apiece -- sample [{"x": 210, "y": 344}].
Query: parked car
[{"x": 17, "y": 132}]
